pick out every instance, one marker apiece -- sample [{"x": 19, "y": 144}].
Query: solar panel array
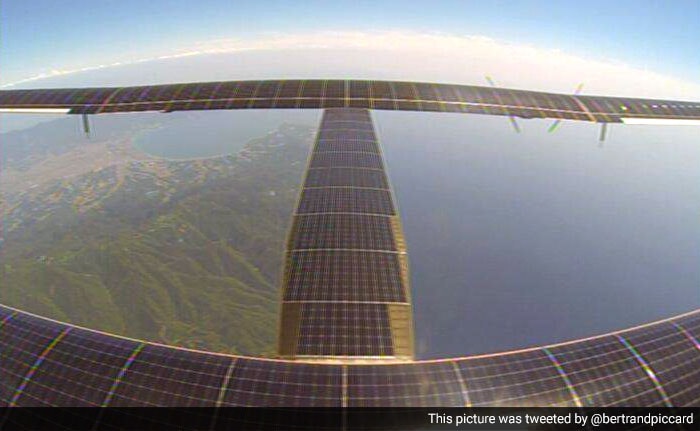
[
  {"x": 318, "y": 94},
  {"x": 47, "y": 363},
  {"x": 345, "y": 290},
  {"x": 346, "y": 300}
]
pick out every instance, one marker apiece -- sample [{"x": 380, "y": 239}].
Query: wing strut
[
  {"x": 86, "y": 125},
  {"x": 603, "y": 133}
]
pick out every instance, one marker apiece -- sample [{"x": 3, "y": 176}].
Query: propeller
[
  {"x": 512, "y": 119},
  {"x": 557, "y": 122}
]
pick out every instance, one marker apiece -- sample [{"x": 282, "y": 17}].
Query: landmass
[{"x": 99, "y": 234}]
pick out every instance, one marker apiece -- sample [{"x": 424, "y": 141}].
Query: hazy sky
[{"x": 38, "y": 36}]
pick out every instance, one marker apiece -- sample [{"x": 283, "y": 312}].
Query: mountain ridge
[{"x": 181, "y": 252}]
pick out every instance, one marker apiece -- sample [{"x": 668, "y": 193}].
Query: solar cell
[
  {"x": 289, "y": 89},
  {"x": 57, "y": 97},
  {"x": 24, "y": 343},
  {"x": 447, "y": 93},
  {"x": 405, "y": 385},
  {"x": 313, "y": 88},
  {"x": 605, "y": 372},
  {"x": 350, "y": 93},
  {"x": 89, "y": 96},
  {"x": 517, "y": 380},
  {"x": 6, "y": 315},
  {"x": 347, "y": 114},
  {"x": 425, "y": 91},
  {"x": 343, "y": 133},
  {"x": 357, "y": 177},
  {"x": 366, "y": 201},
  {"x": 672, "y": 359},
  {"x": 342, "y": 275},
  {"x": 61, "y": 379},
  {"x": 691, "y": 324},
  {"x": 168, "y": 377},
  {"x": 334, "y": 89},
  {"x": 360, "y": 89},
  {"x": 345, "y": 159},
  {"x": 357, "y": 145},
  {"x": 268, "y": 89},
  {"x": 310, "y": 103},
  {"x": 347, "y": 231},
  {"x": 344, "y": 127},
  {"x": 273, "y": 384},
  {"x": 403, "y": 91},
  {"x": 344, "y": 329},
  {"x": 246, "y": 89}
]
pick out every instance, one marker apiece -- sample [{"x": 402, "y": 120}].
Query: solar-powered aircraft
[{"x": 346, "y": 331}]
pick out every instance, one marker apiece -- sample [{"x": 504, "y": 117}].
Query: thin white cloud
[{"x": 423, "y": 57}]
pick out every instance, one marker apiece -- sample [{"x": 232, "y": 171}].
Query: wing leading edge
[{"x": 322, "y": 94}]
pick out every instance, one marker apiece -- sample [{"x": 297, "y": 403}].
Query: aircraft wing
[{"x": 319, "y": 94}]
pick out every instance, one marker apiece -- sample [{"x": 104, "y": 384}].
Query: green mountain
[{"x": 179, "y": 252}]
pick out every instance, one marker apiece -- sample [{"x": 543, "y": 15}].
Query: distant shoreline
[{"x": 138, "y": 141}]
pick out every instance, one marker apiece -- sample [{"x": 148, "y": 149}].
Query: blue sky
[{"x": 39, "y": 35}]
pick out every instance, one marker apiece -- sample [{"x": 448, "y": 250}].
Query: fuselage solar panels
[
  {"x": 344, "y": 275},
  {"x": 337, "y": 329},
  {"x": 346, "y": 159},
  {"x": 345, "y": 289},
  {"x": 342, "y": 231},
  {"x": 321, "y": 94},
  {"x": 347, "y": 177},
  {"x": 326, "y": 200}
]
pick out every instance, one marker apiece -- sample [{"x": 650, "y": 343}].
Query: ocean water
[
  {"x": 534, "y": 238},
  {"x": 185, "y": 135},
  {"x": 514, "y": 240},
  {"x": 523, "y": 239}
]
